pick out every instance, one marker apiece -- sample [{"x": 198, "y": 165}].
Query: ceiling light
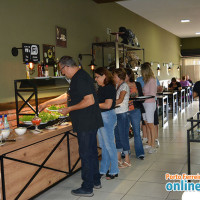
[
  {"x": 197, "y": 33},
  {"x": 185, "y": 20}
]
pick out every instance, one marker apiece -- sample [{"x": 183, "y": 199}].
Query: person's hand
[
  {"x": 42, "y": 106},
  {"x": 64, "y": 111},
  {"x": 159, "y": 88}
]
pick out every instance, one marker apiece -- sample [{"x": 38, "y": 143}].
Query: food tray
[{"x": 50, "y": 123}]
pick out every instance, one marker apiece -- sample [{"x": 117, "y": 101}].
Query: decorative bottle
[
  {"x": 1, "y": 123},
  {"x": 6, "y": 124}
]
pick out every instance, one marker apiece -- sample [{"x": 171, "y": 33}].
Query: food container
[
  {"x": 20, "y": 130},
  {"x": 5, "y": 133}
]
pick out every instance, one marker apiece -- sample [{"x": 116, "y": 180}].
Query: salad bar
[{"x": 28, "y": 89}]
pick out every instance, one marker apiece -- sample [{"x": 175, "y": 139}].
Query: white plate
[
  {"x": 52, "y": 110},
  {"x": 143, "y": 97},
  {"x": 62, "y": 117},
  {"x": 64, "y": 124},
  {"x": 51, "y": 127},
  {"x": 30, "y": 123}
]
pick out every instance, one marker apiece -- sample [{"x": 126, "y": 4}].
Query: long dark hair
[
  {"x": 109, "y": 77},
  {"x": 130, "y": 74}
]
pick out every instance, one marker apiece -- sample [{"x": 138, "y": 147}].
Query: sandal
[
  {"x": 109, "y": 177},
  {"x": 120, "y": 162},
  {"x": 126, "y": 164}
]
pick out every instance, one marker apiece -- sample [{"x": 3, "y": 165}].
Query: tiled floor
[{"x": 144, "y": 180}]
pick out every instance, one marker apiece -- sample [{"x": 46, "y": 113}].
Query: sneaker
[
  {"x": 97, "y": 186},
  {"x": 82, "y": 193},
  {"x": 141, "y": 157},
  {"x": 146, "y": 146},
  {"x": 157, "y": 143},
  {"x": 144, "y": 140},
  {"x": 152, "y": 150}
]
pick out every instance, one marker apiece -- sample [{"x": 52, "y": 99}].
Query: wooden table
[{"x": 36, "y": 162}]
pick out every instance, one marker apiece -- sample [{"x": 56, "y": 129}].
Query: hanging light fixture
[{"x": 178, "y": 68}]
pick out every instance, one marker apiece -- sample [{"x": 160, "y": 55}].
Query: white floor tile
[
  {"x": 153, "y": 177},
  {"x": 116, "y": 185},
  {"x": 149, "y": 189},
  {"x": 138, "y": 197},
  {"x": 167, "y": 167},
  {"x": 100, "y": 195}
]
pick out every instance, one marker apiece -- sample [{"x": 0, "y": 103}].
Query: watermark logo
[{"x": 184, "y": 182}]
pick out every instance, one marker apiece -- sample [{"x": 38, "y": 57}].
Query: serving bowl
[
  {"x": 5, "y": 133},
  {"x": 20, "y": 130}
]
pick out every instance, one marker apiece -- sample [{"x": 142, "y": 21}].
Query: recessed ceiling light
[
  {"x": 197, "y": 33},
  {"x": 185, "y": 20}
]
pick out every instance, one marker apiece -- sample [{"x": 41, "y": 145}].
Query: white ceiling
[{"x": 168, "y": 13}]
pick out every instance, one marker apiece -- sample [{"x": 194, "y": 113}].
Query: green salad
[
  {"x": 45, "y": 116},
  {"x": 54, "y": 107}
]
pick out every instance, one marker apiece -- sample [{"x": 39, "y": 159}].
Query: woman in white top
[{"x": 122, "y": 128}]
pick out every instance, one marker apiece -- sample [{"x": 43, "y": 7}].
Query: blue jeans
[
  {"x": 122, "y": 133},
  {"x": 87, "y": 141},
  {"x": 134, "y": 117},
  {"x": 107, "y": 143}
]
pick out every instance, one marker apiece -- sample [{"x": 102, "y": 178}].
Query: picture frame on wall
[
  {"x": 49, "y": 54},
  {"x": 61, "y": 37}
]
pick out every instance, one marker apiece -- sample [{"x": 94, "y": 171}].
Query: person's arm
[
  {"x": 58, "y": 100},
  {"x": 107, "y": 104},
  {"x": 139, "y": 88},
  {"x": 159, "y": 88},
  {"x": 87, "y": 101},
  {"x": 194, "y": 94},
  {"x": 121, "y": 97}
]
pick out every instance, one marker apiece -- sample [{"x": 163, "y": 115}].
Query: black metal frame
[
  {"x": 191, "y": 136},
  {"x": 116, "y": 46},
  {"x": 69, "y": 173},
  {"x": 165, "y": 109},
  {"x": 174, "y": 102},
  {"x": 31, "y": 86}
]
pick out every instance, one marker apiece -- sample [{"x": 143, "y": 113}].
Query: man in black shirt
[
  {"x": 85, "y": 114},
  {"x": 196, "y": 91}
]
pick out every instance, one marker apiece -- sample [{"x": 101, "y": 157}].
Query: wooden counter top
[{"x": 30, "y": 138}]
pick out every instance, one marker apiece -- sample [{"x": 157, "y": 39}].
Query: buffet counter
[{"x": 36, "y": 162}]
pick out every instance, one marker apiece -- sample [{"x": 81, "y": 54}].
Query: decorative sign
[
  {"x": 31, "y": 53},
  {"x": 49, "y": 54},
  {"x": 61, "y": 37}
]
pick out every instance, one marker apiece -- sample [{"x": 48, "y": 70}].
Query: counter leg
[{"x": 3, "y": 179}]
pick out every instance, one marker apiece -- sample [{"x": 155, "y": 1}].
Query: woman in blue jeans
[
  {"x": 107, "y": 99},
  {"x": 134, "y": 113},
  {"x": 122, "y": 128}
]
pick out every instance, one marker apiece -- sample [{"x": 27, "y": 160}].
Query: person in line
[
  {"x": 184, "y": 82},
  {"x": 122, "y": 128},
  {"x": 85, "y": 114},
  {"x": 188, "y": 79},
  {"x": 150, "y": 88},
  {"x": 107, "y": 100},
  {"x": 196, "y": 91},
  {"x": 145, "y": 129},
  {"x": 174, "y": 85},
  {"x": 134, "y": 113}
]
